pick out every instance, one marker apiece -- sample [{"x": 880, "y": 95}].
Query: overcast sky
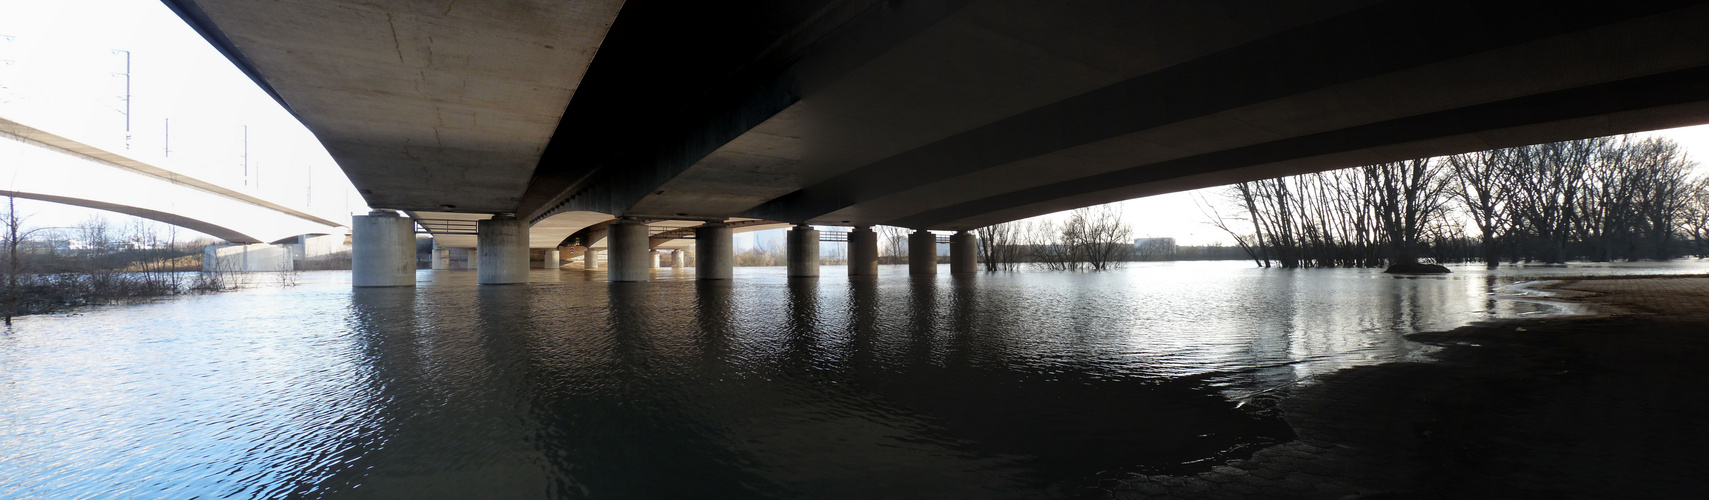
[{"x": 60, "y": 72}]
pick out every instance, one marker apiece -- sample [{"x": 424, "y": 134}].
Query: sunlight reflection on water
[{"x": 1005, "y": 385}]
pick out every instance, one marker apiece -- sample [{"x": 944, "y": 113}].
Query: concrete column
[
  {"x": 653, "y": 256},
  {"x": 715, "y": 256},
  {"x": 550, "y": 259},
  {"x": 629, "y": 254},
  {"x": 802, "y": 250},
  {"x": 441, "y": 257},
  {"x": 963, "y": 251},
  {"x": 501, "y": 249},
  {"x": 679, "y": 259},
  {"x": 922, "y": 253},
  {"x": 590, "y": 258},
  {"x": 863, "y": 252},
  {"x": 382, "y": 250}
]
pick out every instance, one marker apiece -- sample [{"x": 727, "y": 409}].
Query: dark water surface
[{"x": 1025, "y": 384}]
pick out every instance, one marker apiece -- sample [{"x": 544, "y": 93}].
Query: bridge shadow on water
[{"x": 801, "y": 388}]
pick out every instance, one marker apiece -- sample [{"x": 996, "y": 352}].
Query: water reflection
[{"x": 1005, "y": 385}]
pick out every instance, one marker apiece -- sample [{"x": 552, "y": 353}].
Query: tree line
[
  {"x": 44, "y": 273},
  {"x": 1599, "y": 199},
  {"x": 1093, "y": 238}
]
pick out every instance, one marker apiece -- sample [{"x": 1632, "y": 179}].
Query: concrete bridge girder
[
  {"x": 49, "y": 167},
  {"x": 952, "y": 114}
]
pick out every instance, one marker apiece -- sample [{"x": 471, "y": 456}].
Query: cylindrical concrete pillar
[
  {"x": 441, "y": 257},
  {"x": 802, "y": 251},
  {"x": 679, "y": 259},
  {"x": 550, "y": 259},
  {"x": 922, "y": 252},
  {"x": 629, "y": 254},
  {"x": 863, "y": 252},
  {"x": 715, "y": 252},
  {"x": 654, "y": 255},
  {"x": 963, "y": 252},
  {"x": 590, "y": 259},
  {"x": 501, "y": 251},
  {"x": 382, "y": 250}
]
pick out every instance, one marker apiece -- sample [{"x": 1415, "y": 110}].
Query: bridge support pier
[
  {"x": 382, "y": 250},
  {"x": 590, "y": 259},
  {"x": 802, "y": 252},
  {"x": 922, "y": 253},
  {"x": 714, "y": 252},
  {"x": 441, "y": 256},
  {"x": 679, "y": 259},
  {"x": 550, "y": 259},
  {"x": 653, "y": 256},
  {"x": 963, "y": 252},
  {"x": 501, "y": 246},
  {"x": 629, "y": 253},
  {"x": 863, "y": 252}
]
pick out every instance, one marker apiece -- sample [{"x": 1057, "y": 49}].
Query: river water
[{"x": 1026, "y": 385}]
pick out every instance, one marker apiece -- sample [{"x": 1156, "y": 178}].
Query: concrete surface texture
[
  {"x": 628, "y": 258},
  {"x": 382, "y": 250},
  {"x": 963, "y": 253},
  {"x": 802, "y": 252},
  {"x": 715, "y": 252},
  {"x": 922, "y": 253},
  {"x": 502, "y": 250},
  {"x": 863, "y": 252},
  {"x": 926, "y": 114}
]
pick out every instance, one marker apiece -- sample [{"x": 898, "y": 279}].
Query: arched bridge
[{"x": 42, "y": 165}]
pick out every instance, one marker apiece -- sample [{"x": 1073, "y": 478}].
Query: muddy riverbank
[{"x": 1606, "y": 405}]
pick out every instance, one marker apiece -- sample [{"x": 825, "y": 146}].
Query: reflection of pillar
[
  {"x": 590, "y": 259},
  {"x": 863, "y": 252},
  {"x": 382, "y": 250},
  {"x": 962, "y": 249},
  {"x": 802, "y": 251},
  {"x": 627, "y": 240},
  {"x": 922, "y": 253},
  {"x": 679, "y": 259},
  {"x": 501, "y": 247},
  {"x": 716, "y": 252},
  {"x": 550, "y": 259}
]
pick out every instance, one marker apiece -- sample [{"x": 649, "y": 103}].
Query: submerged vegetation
[{"x": 54, "y": 269}]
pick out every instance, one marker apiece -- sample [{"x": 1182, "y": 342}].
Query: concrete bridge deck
[{"x": 930, "y": 114}]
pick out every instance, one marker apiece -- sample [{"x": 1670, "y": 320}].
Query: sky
[{"x": 63, "y": 67}]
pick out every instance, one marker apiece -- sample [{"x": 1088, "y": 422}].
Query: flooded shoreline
[{"x": 1004, "y": 385}]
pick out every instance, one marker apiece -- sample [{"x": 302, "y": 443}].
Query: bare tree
[
  {"x": 893, "y": 244},
  {"x": 1409, "y": 195},
  {"x": 1480, "y": 183},
  {"x": 15, "y": 236},
  {"x": 1000, "y": 246}
]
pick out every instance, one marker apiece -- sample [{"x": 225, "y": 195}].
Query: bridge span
[
  {"x": 43, "y": 165},
  {"x": 544, "y": 119}
]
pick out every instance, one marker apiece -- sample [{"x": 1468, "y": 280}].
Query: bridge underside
[{"x": 934, "y": 114}]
